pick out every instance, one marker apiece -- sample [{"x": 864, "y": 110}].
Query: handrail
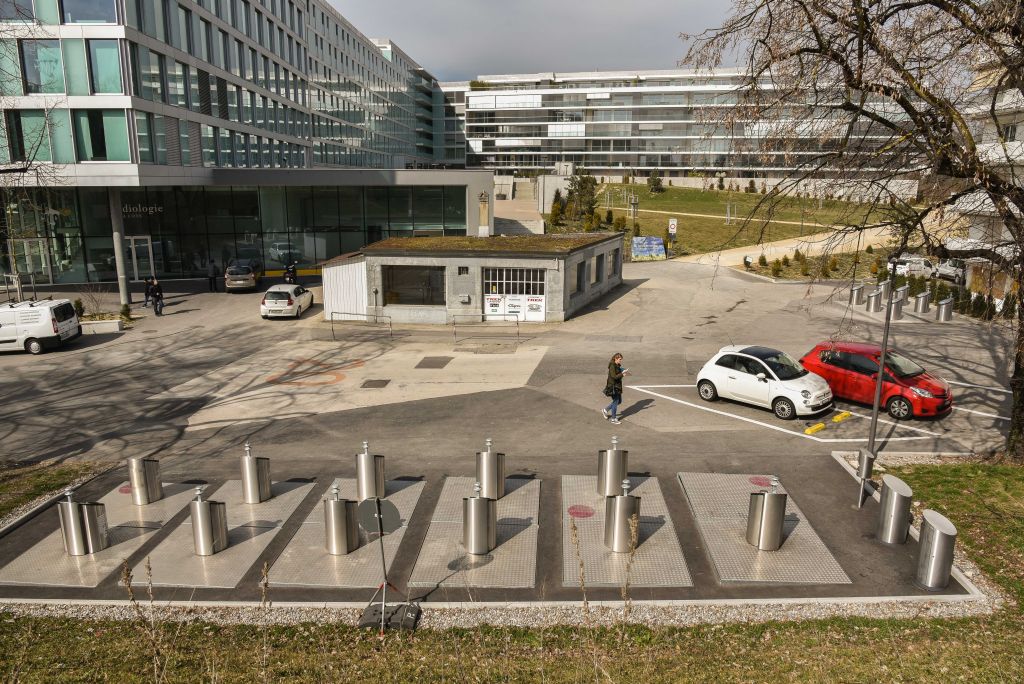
[
  {"x": 377, "y": 318},
  {"x": 482, "y": 321}
]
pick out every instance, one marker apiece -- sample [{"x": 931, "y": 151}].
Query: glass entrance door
[
  {"x": 31, "y": 256},
  {"x": 140, "y": 257}
]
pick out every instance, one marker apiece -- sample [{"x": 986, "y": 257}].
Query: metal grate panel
[{"x": 658, "y": 560}]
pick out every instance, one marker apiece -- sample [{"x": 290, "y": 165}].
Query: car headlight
[
  {"x": 922, "y": 392},
  {"x": 805, "y": 394}
]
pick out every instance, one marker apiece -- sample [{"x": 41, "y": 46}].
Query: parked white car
[
  {"x": 37, "y": 326},
  {"x": 285, "y": 301},
  {"x": 764, "y": 377},
  {"x": 951, "y": 269}
]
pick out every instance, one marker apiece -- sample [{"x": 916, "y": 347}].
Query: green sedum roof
[{"x": 563, "y": 243}]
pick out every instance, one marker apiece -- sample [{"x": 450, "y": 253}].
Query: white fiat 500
[
  {"x": 285, "y": 300},
  {"x": 764, "y": 377}
]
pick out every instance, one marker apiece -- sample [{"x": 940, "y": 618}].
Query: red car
[{"x": 851, "y": 369}]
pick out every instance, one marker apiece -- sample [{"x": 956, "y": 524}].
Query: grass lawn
[
  {"x": 991, "y": 523},
  {"x": 21, "y": 483}
]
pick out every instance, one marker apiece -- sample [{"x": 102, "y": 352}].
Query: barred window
[{"x": 512, "y": 281}]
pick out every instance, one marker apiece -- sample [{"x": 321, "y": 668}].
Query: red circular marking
[
  {"x": 761, "y": 481},
  {"x": 581, "y": 511},
  {"x": 125, "y": 489}
]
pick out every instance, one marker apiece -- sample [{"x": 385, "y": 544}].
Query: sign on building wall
[
  {"x": 648, "y": 248},
  {"x": 523, "y": 307}
]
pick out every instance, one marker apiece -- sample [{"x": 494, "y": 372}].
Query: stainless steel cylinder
[
  {"x": 902, "y": 294},
  {"x": 865, "y": 464},
  {"x": 856, "y": 295},
  {"x": 144, "y": 477},
  {"x": 71, "y": 527},
  {"x": 94, "y": 526},
  {"x": 255, "y": 479},
  {"x": 874, "y": 304},
  {"x": 894, "y": 516},
  {"x": 922, "y": 301},
  {"x": 944, "y": 310},
  {"x": 369, "y": 476},
  {"x": 612, "y": 469},
  {"x": 765, "y": 517},
  {"x": 490, "y": 473},
  {"x": 935, "y": 556},
  {"x": 479, "y": 524},
  {"x": 340, "y": 526},
  {"x": 883, "y": 288},
  {"x": 618, "y": 531},
  {"x": 897, "y": 310},
  {"x": 209, "y": 527}
]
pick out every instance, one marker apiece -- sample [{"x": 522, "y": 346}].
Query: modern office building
[
  {"x": 221, "y": 129},
  {"x": 611, "y": 123}
]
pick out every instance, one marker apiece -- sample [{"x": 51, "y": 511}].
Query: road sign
[{"x": 672, "y": 224}]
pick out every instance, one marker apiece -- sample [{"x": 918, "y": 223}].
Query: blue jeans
[
  {"x": 158, "y": 306},
  {"x": 613, "y": 408}
]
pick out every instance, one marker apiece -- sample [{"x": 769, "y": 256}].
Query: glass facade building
[{"x": 190, "y": 119}]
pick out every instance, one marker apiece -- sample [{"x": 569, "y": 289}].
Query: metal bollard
[
  {"x": 94, "y": 526},
  {"x": 897, "y": 310},
  {"x": 856, "y": 295},
  {"x": 71, "y": 527},
  {"x": 902, "y": 294},
  {"x": 144, "y": 477},
  {"x": 921, "y": 302},
  {"x": 944, "y": 310},
  {"x": 883, "y": 287},
  {"x": 490, "y": 472},
  {"x": 479, "y": 523},
  {"x": 341, "y": 526},
  {"x": 255, "y": 477},
  {"x": 865, "y": 464},
  {"x": 874, "y": 304},
  {"x": 765, "y": 517},
  {"x": 935, "y": 556},
  {"x": 618, "y": 512},
  {"x": 894, "y": 516},
  {"x": 369, "y": 475},
  {"x": 612, "y": 469},
  {"x": 209, "y": 525}
]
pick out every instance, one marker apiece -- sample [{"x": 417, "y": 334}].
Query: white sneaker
[
  {"x": 615, "y": 421},
  {"x": 604, "y": 412}
]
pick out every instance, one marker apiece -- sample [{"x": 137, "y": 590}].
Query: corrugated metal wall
[{"x": 345, "y": 290}]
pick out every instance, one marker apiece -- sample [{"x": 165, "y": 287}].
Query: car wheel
[
  {"x": 298, "y": 311},
  {"x": 264, "y": 317},
  {"x": 706, "y": 390},
  {"x": 899, "y": 408},
  {"x": 784, "y": 408},
  {"x": 34, "y": 346}
]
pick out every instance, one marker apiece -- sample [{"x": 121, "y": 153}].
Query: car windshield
[
  {"x": 901, "y": 366},
  {"x": 784, "y": 366},
  {"x": 239, "y": 270},
  {"x": 277, "y": 296}
]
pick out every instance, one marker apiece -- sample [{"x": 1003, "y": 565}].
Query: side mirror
[{"x": 761, "y": 377}]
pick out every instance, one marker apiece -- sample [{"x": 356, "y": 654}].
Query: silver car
[
  {"x": 243, "y": 274},
  {"x": 285, "y": 301}
]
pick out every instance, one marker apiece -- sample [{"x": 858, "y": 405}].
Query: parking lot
[{"x": 192, "y": 388}]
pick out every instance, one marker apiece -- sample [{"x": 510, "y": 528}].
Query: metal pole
[
  {"x": 383, "y": 565},
  {"x": 117, "y": 230},
  {"x": 881, "y": 373}
]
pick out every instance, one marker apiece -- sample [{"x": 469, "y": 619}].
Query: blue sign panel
[{"x": 648, "y": 248}]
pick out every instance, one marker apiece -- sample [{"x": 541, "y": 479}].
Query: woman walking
[{"x": 613, "y": 388}]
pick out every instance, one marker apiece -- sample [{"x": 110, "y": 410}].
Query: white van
[{"x": 37, "y": 326}]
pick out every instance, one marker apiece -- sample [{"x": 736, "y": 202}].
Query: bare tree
[{"x": 864, "y": 95}]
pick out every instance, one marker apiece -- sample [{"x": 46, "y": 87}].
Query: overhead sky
[{"x": 457, "y": 40}]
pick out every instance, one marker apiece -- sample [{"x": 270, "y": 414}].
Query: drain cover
[
  {"x": 374, "y": 384},
  {"x": 434, "y": 361}
]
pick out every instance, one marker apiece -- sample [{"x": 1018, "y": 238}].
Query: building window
[
  {"x": 579, "y": 283},
  {"x": 1010, "y": 133},
  {"x": 417, "y": 285},
  {"x": 41, "y": 66},
  {"x": 104, "y": 66},
  {"x": 597, "y": 274},
  {"x": 27, "y": 138},
  {"x": 16, "y": 10},
  {"x": 89, "y": 11},
  {"x": 514, "y": 281},
  {"x": 176, "y": 86},
  {"x": 463, "y": 270},
  {"x": 613, "y": 263},
  {"x": 101, "y": 135}
]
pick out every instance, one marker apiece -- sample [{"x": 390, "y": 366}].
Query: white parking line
[
  {"x": 980, "y": 413},
  {"x": 987, "y": 387},
  {"x": 902, "y": 425},
  {"x": 656, "y": 386},
  {"x": 762, "y": 423}
]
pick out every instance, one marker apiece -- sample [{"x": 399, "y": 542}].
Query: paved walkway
[{"x": 827, "y": 242}]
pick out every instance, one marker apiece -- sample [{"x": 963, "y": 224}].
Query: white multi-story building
[{"x": 211, "y": 129}]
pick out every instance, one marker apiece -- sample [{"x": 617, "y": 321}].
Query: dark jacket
[
  {"x": 614, "y": 384},
  {"x": 156, "y": 291}
]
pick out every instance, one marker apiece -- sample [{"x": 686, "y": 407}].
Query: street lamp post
[{"x": 876, "y": 405}]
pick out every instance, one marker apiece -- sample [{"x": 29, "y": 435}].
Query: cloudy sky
[{"x": 459, "y": 39}]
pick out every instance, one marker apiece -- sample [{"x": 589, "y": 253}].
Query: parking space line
[
  {"x": 980, "y": 413},
  {"x": 639, "y": 386},
  {"x": 986, "y": 387},
  {"x": 902, "y": 425},
  {"x": 764, "y": 424}
]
